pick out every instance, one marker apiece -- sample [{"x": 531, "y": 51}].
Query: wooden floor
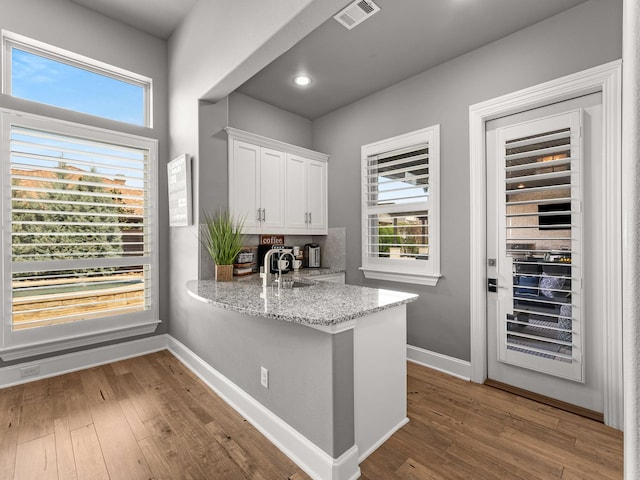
[
  {"x": 151, "y": 418},
  {"x": 462, "y": 430}
]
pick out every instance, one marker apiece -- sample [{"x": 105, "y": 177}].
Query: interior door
[{"x": 544, "y": 194}]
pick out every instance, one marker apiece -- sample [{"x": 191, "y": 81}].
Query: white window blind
[
  {"x": 400, "y": 206},
  {"x": 541, "y": 328},
  {"x": 398, "y": 200},
  {"x": 79, "y": 227}
]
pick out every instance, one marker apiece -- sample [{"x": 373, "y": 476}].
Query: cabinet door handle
[
  {"x": 310, "y": 222},
  {"x": 259, "y": 218},
  {"x": 306, "y": 218},
  {"x": 264, "y": 214}
]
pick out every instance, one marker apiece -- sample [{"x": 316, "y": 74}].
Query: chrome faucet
[{"x": 266, "y": 275}]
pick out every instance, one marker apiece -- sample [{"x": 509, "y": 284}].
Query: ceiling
[
  {"x": 404, "y": 38},
  {"x": 155, "y": 17}
]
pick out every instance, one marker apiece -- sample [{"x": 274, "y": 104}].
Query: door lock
[{"x": 492, "y": 285}]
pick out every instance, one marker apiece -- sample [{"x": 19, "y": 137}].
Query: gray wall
[
  {"x": 310, "y": 372},
  {"x": 206, "y": 52},
  {"x": 77, "y": 29},
  {"x": 583, "y": 37},
  {"x": 251, "y": 115}
]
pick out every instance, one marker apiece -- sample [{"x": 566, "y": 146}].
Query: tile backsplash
[{"x": 332, "y": 249}]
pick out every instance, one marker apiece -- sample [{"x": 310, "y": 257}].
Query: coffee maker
[
  {"x": 273, "y": 267},
  {"x": 311, "y": 255}
]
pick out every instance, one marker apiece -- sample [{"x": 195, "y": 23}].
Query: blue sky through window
[
  {"x": 396, "y": 192},
  {"x": 40, "y": 79}
]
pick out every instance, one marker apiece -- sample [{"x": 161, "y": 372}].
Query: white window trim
[
  {"x": 389, "y": 269},
  {"x": 26, "y": 343},
  {"x": 11, "y": 40}
]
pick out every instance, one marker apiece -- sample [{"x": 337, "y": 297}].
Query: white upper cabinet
[
  {"x": 306, "y": 200},
  {"x": 272, "y": 193},
  {"x": 244, "y": 184},
  {"x": 317, "y": 196},
  {"x": 296, "y": 210},
  {"x": 277, "y": 187},
  {"x": 256, "y": 187}
]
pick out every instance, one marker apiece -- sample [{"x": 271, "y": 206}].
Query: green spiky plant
[{"x": 222, "y": 236}]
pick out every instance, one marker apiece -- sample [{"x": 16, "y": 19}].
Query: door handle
[
  {"x": 310, "y": 221},
  {"x": 264, "y": 214},
  {"x": 306, "y": 218},
  {"x": 259, "y": 217},
  {"x": 492, "y": 285}
]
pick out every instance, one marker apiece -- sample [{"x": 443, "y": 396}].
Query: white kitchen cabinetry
[
  {"x": 256, "y": 186},
  {"x": 278, "y": 187},
  {"x": 306, "y": 195}
]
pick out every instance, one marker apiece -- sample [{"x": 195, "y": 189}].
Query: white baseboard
[
  {"x": 437, "y": 361},
  {"x": 383, "y": 439},
  {"x": 71, "y": 362},
  {"x": 318, "y": 464}
]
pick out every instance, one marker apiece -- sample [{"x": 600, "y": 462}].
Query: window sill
[
  {"x": 403, "y": 277},
  {"x": 25, "y": 351}
]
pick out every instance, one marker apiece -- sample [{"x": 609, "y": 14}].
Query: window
[
  {"x": 400, "y": 211},
  {"x": 46, "y": 74},
  {"x": 79, "y": 231}
]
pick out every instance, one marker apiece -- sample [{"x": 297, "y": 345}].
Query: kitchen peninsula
[{"x": 335, "y": 357}]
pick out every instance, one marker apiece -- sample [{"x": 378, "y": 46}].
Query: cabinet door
[
  {"x": 317, "y": 196},
  {"x": 296, "y": 216},
  {"x": 272, "y": 184},
  {"x": 244, "y": 184}
]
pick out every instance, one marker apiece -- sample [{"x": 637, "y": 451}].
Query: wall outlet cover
[{"x": 29, "y": 371}]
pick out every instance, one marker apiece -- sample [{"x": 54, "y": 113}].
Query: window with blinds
[
  {"x": 79, "y": 227},
  {"x": 400, "y": 214}
]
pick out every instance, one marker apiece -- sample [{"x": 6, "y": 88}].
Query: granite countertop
[
  {"x": 314, "y": 272},
  {"x": 321, "y": 304}
]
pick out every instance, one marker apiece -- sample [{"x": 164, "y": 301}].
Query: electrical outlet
[
  {"x": 264, "y": 377},
  {"x": 29, "y": 371}
]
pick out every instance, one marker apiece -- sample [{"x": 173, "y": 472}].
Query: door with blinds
[{"x": 545, "y": 328}]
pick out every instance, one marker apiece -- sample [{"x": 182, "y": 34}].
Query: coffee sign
[{"x": 271, "y": 239}]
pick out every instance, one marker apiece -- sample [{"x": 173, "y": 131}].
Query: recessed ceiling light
[{"x": 302, "y": 80}]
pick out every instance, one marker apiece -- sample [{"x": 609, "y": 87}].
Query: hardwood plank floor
[
  {"x": 151, "y": 418},
  {"x": 463, "y": 430}
]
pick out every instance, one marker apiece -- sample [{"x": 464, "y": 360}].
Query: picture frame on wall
[{"x": 179, "y": 184}]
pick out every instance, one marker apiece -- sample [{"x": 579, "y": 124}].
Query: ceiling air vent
[{"x": 356, "y": 13}]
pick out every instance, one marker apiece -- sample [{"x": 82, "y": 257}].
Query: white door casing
[{"x": 606, "y": 79}]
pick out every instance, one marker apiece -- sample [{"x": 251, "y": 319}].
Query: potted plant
[{"x": 223, "y": 239}]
